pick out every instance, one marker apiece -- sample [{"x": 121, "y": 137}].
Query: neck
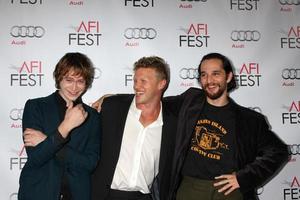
[
  {"x": 221, "y": 101},
  {"x": 150, "y": 112},
  {"x": 66, "y": 100}
]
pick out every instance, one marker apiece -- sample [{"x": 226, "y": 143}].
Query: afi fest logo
[
  {"x": 240, "y": 37},
  {"x": 86, "y": 34},
  {"x": 27, "y": 2},
  {"x": 139, "y": 3},
  {"x": 293, "y": 114},
  {"x": 195, "y": 36},
  {"x": 291, "y": 191},
  {"x": 19, "y": 159},
  {"x": 291, "y": 39},
  {"x": 244, "y": 5},
  {"x": 249, "y": 75},
  {"x": 15, "y": 115},
  {"x": 290, "y": 76},
  {"x": 28, "y": 74},
  {"x": 128, "y": 77}
]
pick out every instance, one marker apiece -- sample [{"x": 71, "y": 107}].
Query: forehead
[
  {"x": 144, "y": 72},
  {"x": 73, "y": 74},
  {"x": 211, "y": 65}
]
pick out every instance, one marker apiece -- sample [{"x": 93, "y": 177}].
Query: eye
[
  {"x": 202, "y": 75},
  {"x": 81, "y": 81},
  {"x": 216, "y": 73},
  {"x": 69, "y": 80}
]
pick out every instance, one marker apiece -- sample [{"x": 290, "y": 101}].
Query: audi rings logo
[
  {"x": 16, "y": 114},
  {"x": 245, "y": 35},
  {"x": 290, "y": 73},
  {"x": 289, "y": 2},
  {"x": 27, "y": 31},
  {"x": 189, "y": 73},
  {"x": 98, "y": 73},
  {"x": 259, "y": 191},
  {"x": 13, "y": 196},
  {"x": 140, "y": 33},
  {"x": 294, "y": 149},
  {"x": 257, "y": 109}
]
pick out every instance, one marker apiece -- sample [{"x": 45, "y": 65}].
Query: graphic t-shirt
[{"x": 212, "y": 149}]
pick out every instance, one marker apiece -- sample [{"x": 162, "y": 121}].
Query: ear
[
  {"x": 162, "y": 84},
  {"x": 229, "y": 77}
]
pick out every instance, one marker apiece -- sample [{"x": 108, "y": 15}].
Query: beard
[{"x": 214, "y": 95}]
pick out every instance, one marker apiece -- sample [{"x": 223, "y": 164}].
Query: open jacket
[
  {"x": 113, "y": 113},
  {"x": 41, "y": 176},
  {"x": 259, "y": 154}
]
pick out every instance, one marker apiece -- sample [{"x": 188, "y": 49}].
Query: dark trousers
[
  {"x": 196, "y": 189},
  {"x": 127, "y": 195}
]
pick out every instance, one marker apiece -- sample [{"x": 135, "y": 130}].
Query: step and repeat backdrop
[{"x": 262, "y": 38}]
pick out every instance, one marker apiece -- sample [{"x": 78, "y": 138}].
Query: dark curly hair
[{"x": 228, "y": 67}]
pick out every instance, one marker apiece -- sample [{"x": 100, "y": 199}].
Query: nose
[
  {"x": 136, "y": 85},
  {"x": 209, "y": 79},
  {"x": 74, "y": 85}
]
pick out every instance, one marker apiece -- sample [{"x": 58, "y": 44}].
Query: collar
[{"x": 137, "y": 113}]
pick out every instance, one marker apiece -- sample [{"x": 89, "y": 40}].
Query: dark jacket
[
  {"x": 42, "y": 174},
  {"x": 113, "y": 117},
  {"x": 259, "y": 154}
]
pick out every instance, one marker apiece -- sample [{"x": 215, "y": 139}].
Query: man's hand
[
  {"x": 97, "y": 104},
  {"x": 227, "y": 183},
  {"x": 74, "y": 117},
  {"x": 33, "y": 137}
]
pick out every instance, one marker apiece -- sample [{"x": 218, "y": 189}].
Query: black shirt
[
  {"x": 213, "y": 145},
  {"x": 62, "y": 107}
]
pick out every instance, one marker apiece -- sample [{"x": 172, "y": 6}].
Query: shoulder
[
  {"x": 248, "y": 113},
  {"x": 118, "y": 99},
  {"x": 193, "y": 92},
  {"x": 90, "y": 110},
  {"x": 40, "y": 101}
]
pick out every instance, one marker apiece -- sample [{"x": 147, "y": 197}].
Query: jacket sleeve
[
  {"x": 269, "y": 155},
  {"x": 33, "y": 117},
  {"x": 87, "y": 159}
]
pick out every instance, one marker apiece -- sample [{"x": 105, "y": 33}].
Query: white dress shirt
[{"x": 139, "y": 155}]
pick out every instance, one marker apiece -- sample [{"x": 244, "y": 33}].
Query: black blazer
[
  {"x": 259, "y": 154},
  {"x": 113, "y": 117},
  {"x": 41, "y": 176}
]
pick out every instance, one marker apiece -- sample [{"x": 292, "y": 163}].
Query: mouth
[
  {"x": 139, "y": 93},
  {"x": 211, "y": 87},
  {"x": 74, "y": 94}
]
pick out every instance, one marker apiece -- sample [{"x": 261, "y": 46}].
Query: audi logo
[
  {"x": 294, "y": 149},
  {"x": 290, "y": 73},
  {"x": 245, "y": 35},
  {"x": 289, "y": 2},
  {"x": 98, "y": 73},
  {"x": 189, "y": 73},
  {"x": 259, "y": 191},
  {"x": 16, "y": 114},
  {"x": 257, "y": 109},
  {"x": 27, "y": 31},
  {"x": 140, "y": 33}
]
